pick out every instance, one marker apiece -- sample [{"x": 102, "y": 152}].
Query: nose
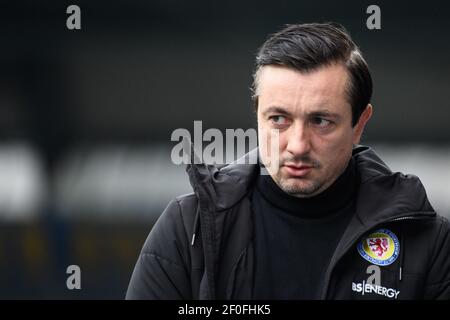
[{"x": 299, "y": 143}]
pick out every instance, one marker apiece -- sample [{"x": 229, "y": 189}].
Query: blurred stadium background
[{"x": 86, "y": 118}]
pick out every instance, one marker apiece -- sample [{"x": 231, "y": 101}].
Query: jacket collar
[
  {"x": 223, "y": 186},
  {"x": 382, "y": 194}
]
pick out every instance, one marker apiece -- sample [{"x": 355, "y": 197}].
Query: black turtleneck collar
[{"x": 330, "y": 201}]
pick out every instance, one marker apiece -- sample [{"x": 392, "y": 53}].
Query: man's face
[{"x": 314, "y": 121}]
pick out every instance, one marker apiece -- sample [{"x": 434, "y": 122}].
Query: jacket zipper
[
  {"x": 409, "y": 218},
  {"x": 324, "y": 294},
  {"x": 402, "y": 242}
]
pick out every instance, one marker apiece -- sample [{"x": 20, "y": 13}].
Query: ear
[{"x": 361, "y": 124}]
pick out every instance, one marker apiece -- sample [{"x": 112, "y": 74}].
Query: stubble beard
[{"x": 295, "y": 187}]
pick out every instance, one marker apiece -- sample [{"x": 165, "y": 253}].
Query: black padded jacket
[{"x": 201, "y": 246}]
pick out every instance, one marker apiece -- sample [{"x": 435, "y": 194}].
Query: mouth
[{"x": 297, "y": 171}]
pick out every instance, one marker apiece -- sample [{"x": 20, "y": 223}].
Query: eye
[
  {"x": 321, "y": 122},
  {"x": 278, "y": 120}
]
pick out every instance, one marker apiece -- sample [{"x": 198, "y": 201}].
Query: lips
[{"x": 297, "y": 171}]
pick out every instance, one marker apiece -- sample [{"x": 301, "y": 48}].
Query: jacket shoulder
[
  {"x": 172, "y": 227},
  {"x": 163, "y": 267},
  {"x": 187, "y": 203}
]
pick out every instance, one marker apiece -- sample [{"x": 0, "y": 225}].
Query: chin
[{"x": 304, "y": 189}]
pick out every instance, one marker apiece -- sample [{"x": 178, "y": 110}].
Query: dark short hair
[{"x": 306, "y": 47}]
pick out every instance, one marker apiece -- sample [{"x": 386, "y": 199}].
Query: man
[{"x": 330, "y": 221}]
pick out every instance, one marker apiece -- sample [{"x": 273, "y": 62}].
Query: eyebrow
[
  {"x": 325, "y": 113},
  {"x": 317, "y": 113},
  {"x": 276, "y": 109}
]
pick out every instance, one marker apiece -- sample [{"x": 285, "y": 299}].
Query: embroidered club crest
[{"x": 381, "y": 247}]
